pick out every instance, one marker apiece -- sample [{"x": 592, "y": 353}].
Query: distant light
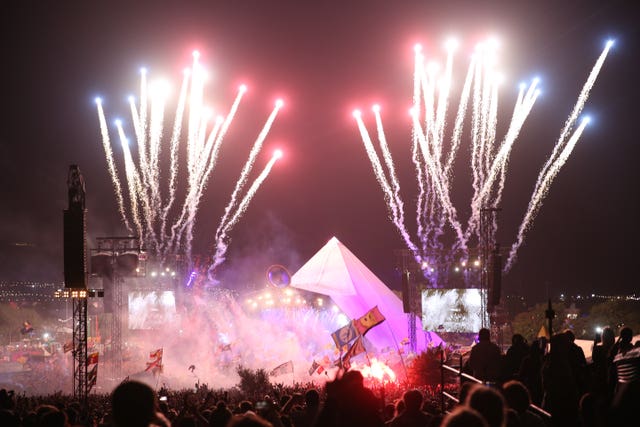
[
  {"x": 98, "y": 100},
  {"x": 242, "y": 88},
  {"x": 131, "y": 99},
  {"x": 375, "y": 108},
  {"x": 320, "y": 302},
  {"x": 45, "y": 336},
  {"x": 417, "y": 48},
  {"x": 278, "y": 154},
  {"x": 143, "y": 71},
  {"x": 586, "y": 119},
  {"x": 425, "y": 265},
  {"x": 522, "y": 86},
  {"x": 610, "y": 42},
  {"x": 599, "y": 329},
  {"x": 357, "y": 114},
  {"x": 476, "y": 262},
  {"x": 117, "y": 122},
  {"x": 412, "y": 112},
  {"x": 196, "y": 54},
  {"x": 536, "y": 80},
  {"x": 456, "y": 269}
]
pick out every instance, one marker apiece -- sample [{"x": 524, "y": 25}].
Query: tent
[{"x": 335, "y": 271}]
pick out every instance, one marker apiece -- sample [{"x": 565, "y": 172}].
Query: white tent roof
[{"x": 335, "y": 271}]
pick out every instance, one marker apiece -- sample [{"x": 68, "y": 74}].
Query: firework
[
  {"x": 434, "y": 150},
  {"x": 163, "y": 220}
]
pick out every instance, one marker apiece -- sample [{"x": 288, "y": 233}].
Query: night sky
[{"x": 324, "y": 58}]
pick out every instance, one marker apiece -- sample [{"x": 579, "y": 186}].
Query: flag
[
  {"x": 372, "y": 318},
  {"x": 92, "y": 358},
  {"x": 26, "y": 328},
  {"x": 345, "y": 335},
  {"x": 92, "y": 377},
  {"x": 315, "y": 365},
  {"x": 67, "y": 347},
  {"x": 285, "y": 368},
  {"x": 356, "y": 348},
  {"x": 224, "y": 347},
  {"x": 156, "y": 361}
]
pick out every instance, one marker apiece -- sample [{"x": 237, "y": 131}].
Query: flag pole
[{"x": 395, "y": 341}]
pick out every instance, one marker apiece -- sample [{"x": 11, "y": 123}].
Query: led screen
[
  {"x": 452, "y": 310},
  {"x": 151, "y": 309}
]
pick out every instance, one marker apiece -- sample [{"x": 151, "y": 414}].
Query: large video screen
[
  {"x": 452, "y": 310},
  {"x": 151, "y": 309}
]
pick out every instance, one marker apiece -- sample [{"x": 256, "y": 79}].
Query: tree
[
  {"x": 614, "y": 313},
  {"x": 529, "y": 322},
  {"x": 253, "y": 383}
]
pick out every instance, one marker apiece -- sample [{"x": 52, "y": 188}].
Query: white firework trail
[
  {"x": 130, "y": 173},
  {"x": 577, "y": 109},
  {"x": 164, "y": 221},
  {"x": 541, "y": 191},
  {"x": 489, "y": 160},
  {"x": 222, "y": 243},
  {"x": 174, "y": 145},
  {"x": 246, "y": 169},
  {"x": 106, "y": 144}
]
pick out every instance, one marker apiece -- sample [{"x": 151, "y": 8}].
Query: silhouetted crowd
[{"x": 531, "y": 385}]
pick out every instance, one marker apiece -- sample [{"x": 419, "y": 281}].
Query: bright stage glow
[
  {"x": 586, "y": 119},
  {"x": 279, "y": 103},
  {"x": 417, "y": 48},
  {"x": 357, "y": 113},
  {"x": 98, "y": 100},
  {"x": 242, "y": 88},
  {"x": 143, "y": 71},
  {"x": 278, "y": 154},
  {"x": 610, "y": 43},
  {"x": 375, "y": 108}
]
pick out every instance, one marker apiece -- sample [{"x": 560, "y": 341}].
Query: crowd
[{"x": 556, "y": 377}]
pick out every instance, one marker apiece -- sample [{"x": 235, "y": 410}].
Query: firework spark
[
  {"x": 434, "y": 152},
  {"x": 164, "y": 221}
]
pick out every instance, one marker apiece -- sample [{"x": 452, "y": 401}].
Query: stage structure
[{"x": 113, "y": 260}]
